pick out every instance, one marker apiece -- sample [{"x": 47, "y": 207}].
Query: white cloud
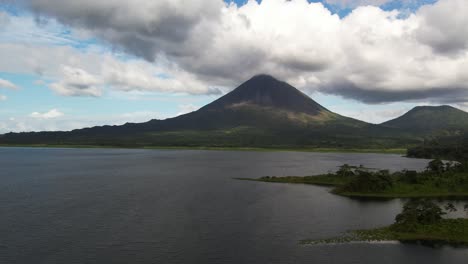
[
  {"x": 355, "y": 3},
  {"x": 137, "y": 26},
  {"x": 53, "y": 113},
  {"x": 77, "y": 82},
  {"x": 88, "y": 73},
  {"x": 374, "y": 115},
  {"x": 443, "y": 27},
  {"x": 187, "y": 108},
  {"x": 7, "y": 84},
  {"x": 26, "y": 29},
  {"x": 37, "y": 121},
  {"x": 142, "y": 76},
  {"x": 371, "y": 55},
  {"x": 2, "y": 97}
]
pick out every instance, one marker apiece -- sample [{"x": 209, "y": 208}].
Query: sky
[{"x": 71, "y": 64}]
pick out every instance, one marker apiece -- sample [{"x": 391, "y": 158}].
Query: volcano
[{"x": 261, "y": 112}]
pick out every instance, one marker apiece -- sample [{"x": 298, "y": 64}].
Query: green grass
[
  {"x": 453, "y": 186},
  {"x": 447, "y": 231},
  {"x": 273, "y": 149},
  {"x": 322, "y": 180}
]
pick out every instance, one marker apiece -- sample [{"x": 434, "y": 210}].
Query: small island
[
  {"x": 439, "y": 180},
  {"x": 421, "y": 221}
]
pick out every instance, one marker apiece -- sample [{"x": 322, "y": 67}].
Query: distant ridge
[
  {"x": 434, "y": 120},
  {"x": 262, "y": 112}
]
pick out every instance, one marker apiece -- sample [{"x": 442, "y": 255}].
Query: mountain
[
  {"x": 432, "y": 121},
  {"x": 261, "y": 102},
  {"x": 266, "y": 91},
  {"x": 262, "y": 112}
]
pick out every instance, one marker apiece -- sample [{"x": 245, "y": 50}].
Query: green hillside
[
  {"x": 262, "y": 112},
  {"x": 432, "y": 121}
]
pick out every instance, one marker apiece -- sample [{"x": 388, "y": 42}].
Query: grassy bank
[
  {"x": 273, "y": 149},
  {"x": 398, "y": 190},
  {"x": 447, "y": 231},
  {"x": 446, "y": 182},
  {"x": 322, "y": 180},
  {"x": 426, "y": 189}
]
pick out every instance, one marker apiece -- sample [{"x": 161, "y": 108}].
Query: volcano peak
[{"x": 266, "y": 91}]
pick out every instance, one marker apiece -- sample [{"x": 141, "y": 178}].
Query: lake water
[{"x": 163, "y": 206}]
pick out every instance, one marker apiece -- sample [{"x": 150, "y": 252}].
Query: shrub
[
  {"x": 416, "y": 213},
  {"x": 410, "y": 177},
  {"x": 366, "y": 181},
  {"x": 436, "y": 166}
]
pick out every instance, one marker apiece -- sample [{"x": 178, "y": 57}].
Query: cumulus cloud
[
  {"x": 142, "y": 76},
  {"x": 77, "y": 82},
  {"x": 370, "y": 55},
  {"x": 355, "y": 3},
  {"x": 53, "y": 113},
  {"x": 27, "y": 47},
  {"x": 443, "y": 27},
  {"x": 128, "y": 76},
  {"x": 7, "y": 84},
  {"x": 140, "y": 27},
  {"x": 70, "y": 122},
  {"x": 88, "y": 73}
]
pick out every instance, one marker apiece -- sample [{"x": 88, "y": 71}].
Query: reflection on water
[{"x": 146, "y": 206}]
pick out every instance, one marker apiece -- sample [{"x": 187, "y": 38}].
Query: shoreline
[
  {"x": 394, "y": 151},
  {"x": 376, "y": 196},
  {"x": 450, "y": 232}
]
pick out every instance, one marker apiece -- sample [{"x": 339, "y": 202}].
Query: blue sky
[
  {"x": 68, "y": 74},
  {"x": 343, "y": 10}
]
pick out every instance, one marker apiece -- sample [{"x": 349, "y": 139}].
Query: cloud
[
  {"x": 140, "y": 27},
  {"x": 77, "y": 82},
  {"x": 371, "y": 55},
  {"x": 355, "y": 3},
  {"x": 88, "y": 70},
  {"x": 70, "y": 122},
  {"x": 52, "y": 114},
  {"x": 4, "y": 19},
  {"x": 128, "y": 76},
  {"x": 375, "y": 115},
  {"x": 7, "y": 84},
  {"x": 187, "y": 108},
  {"x": 89, "y": 73},
  {"x": 443, "y": 26},
  {"x": 27, "y": 29},
  {"x": 2, "y": 97},
  {"x": 136, "y": 75}
]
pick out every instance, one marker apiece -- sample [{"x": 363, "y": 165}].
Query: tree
[
  {"x": 450, "y": 208},
  {"x": 345, "y": 171},
  {"x": 368, "y": 182},
  {"x": 416, "y": 213},
  {"x": 410, "y": 176},
  {"x": 436, "y": 165}
]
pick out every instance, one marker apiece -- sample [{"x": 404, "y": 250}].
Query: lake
[{"x": 182, "y": 206}]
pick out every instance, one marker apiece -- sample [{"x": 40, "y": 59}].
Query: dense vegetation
[
  {"x": 432, "y": 121},
  {"x": 450, "y": 147},
  {"x": 262, "y": 113},
  {"x": 440, "y": 179},
  {"x": 420, "y": 221}
]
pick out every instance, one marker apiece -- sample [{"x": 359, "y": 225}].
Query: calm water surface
[{"x": 149, "y": 206}]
